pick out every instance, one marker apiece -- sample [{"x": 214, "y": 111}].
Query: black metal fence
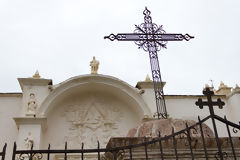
[
  {"x": 179, "y": 145},
  {"x": 3, "y": 153}
]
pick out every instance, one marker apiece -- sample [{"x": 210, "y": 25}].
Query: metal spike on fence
[
  {"x": 48, "y": 155},
  {"x": 203, "y": 141},
  {"x": 14, "y": 151},
  {"x": 230, "y": 138},
  {"x": 98, "y": 146},
  {"x": 189, "y": 140},
  {"x": 65, "y": 153},
  {"x": 160, "y": 145},
  {"x": 4, "y": 151},
  {"x": 145, "y": 146},
  {"x": 115, "y": 151},
  {"x": 82, "y": 150},
  {"x": 174, "y": 143},
  {"x": 32, "y": 146}
]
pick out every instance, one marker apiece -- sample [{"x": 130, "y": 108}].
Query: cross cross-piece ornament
[
  {"x": 208, "y": 93},
  {"x": 151, "y": 38}
]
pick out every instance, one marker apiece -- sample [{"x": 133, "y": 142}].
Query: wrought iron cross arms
[
  {"x": 147, "y": 33},
  {"x": 151, "y": 38},
  {"x": 148, "y": 37},
  {"x": 209, "y": 103}
]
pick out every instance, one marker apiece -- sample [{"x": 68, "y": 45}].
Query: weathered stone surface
[
  {"x": 165, "y": 126},
  {"x": 168, "y": 151}
]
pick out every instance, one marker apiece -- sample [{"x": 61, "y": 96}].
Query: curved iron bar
[
  {"x": 120, "y": 149},
  {"x": 234, "y": 130},
  {"x": 114, "y": 149},
  {"x": 24, "y": 156},
  {"x": 225, "y": 155},
  {"x": 227, "y": 122}
]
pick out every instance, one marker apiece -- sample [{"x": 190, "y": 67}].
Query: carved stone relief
[
  {"x": 91, "y": 121},
  {"x": 28, "y": 141},
  {"x": 31, "y": 105}
]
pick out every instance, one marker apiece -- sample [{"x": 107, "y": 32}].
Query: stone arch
[
  {"x": 91, "y": 108},
  {"x": 96, "y": 82}
]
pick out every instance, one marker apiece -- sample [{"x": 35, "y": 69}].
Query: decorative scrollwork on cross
[{"x": 152, "y": 38}]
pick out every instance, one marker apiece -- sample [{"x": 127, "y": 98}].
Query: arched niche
[{"x": 91, "y": 108}]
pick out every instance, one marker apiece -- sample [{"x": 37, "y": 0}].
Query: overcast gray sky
[{"x": 59, "y": 38}]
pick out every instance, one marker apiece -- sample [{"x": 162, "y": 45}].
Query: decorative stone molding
[
  {"x": 147, "y": 84},
  {"x": 114, "y": 85},
  {"x": 31, "y": 121},
  {"x": 34, "y": 81}
]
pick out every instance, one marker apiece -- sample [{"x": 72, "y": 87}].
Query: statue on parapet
[{"x": 94, "y": 66}]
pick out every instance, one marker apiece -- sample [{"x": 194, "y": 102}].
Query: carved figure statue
[
  {"x": 28, "y": 141},
  {"x": 94, "y": 66},
  {"x": 32, "y": 105}
]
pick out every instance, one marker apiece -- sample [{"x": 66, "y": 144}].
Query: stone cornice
[
  {"x": 10, "y": 94},
  {"x": 143, "y": 85},
  {"x": 31, "y": 121},
  {"x": 193, "y": 96},
  {"x": 34, "y": 81}
]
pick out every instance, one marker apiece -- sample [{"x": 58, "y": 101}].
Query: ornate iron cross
[
  {"x": 207, "y": 92},
  {"x": 151, "y": 38}
]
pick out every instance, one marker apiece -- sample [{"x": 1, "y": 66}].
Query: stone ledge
[{"x": 31, "y": 121}]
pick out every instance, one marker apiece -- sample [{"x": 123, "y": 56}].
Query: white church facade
[{"x": 90, "y": 108}]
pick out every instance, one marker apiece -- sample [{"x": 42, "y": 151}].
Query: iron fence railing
[
  {"x": 161, "y": 147},
  {"x": 3, "y": 153}
]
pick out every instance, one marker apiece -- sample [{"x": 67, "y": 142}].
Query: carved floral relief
[{"x": 92, "y": 121}]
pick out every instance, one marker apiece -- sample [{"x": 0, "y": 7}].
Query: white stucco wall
[
  {"x": 9, "y": 107},
  {"x": 183, "y": 107},
  {"x": 51, "y": 125}
]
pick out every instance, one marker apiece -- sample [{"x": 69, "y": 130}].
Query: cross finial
[
  {"x": 146, "y": 12},
  {"x": 208, "y": 93}
]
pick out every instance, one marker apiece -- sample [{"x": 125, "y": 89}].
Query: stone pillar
[
  {"x": 35, "y": 90},
  {"x": 29, "y": 132}
]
